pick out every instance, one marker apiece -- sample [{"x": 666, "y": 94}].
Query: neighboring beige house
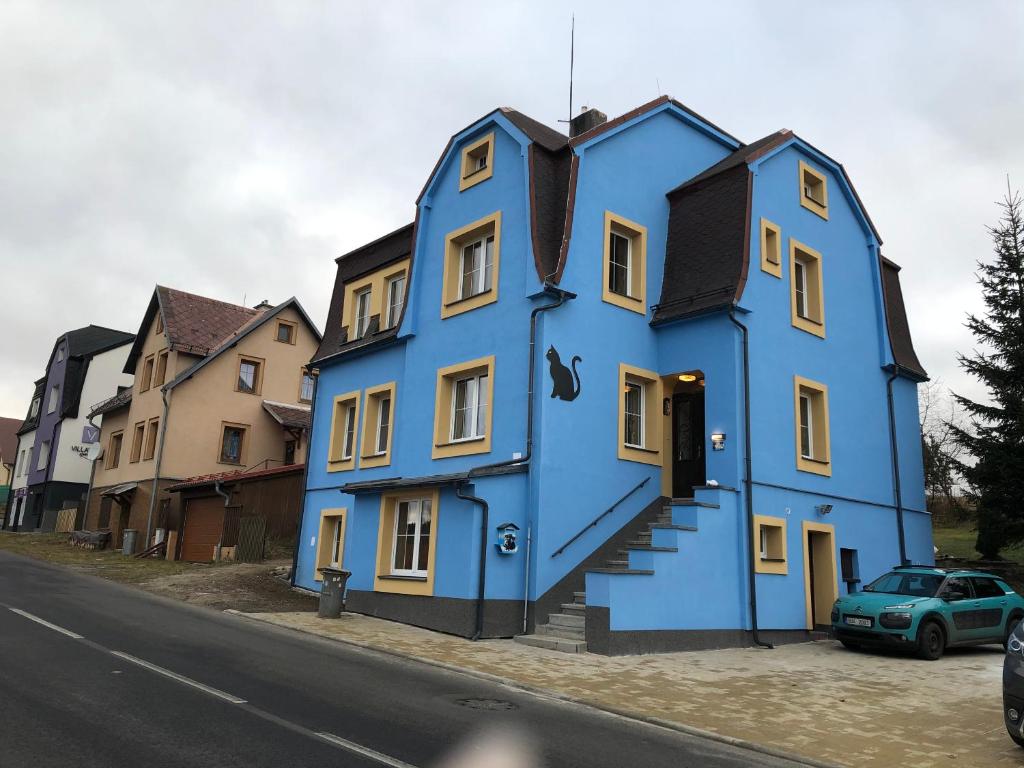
[{"x": 212, "y": 381}]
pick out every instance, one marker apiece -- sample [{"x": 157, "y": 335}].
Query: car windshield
[{"x": 914, "y": 584}]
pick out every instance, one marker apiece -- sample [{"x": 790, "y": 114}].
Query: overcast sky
[{"x": 235, "y": 149}]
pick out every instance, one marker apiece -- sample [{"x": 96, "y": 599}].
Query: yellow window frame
[
  {"x": 653, "y": 420},
  {"x": 821, "y": 461},
  {"x": 771, "y": 248},
  {"x": 637, "y": 235},
  {"x": 336, "y": 444},
  {"x": 329, "y": 517},
  {"x": 469, "y": 176},
  {"x": 814, "y": 295},
  {"x": 775, "y": 561},
  {"x": 451, "y": 304},
  {"x": 443, "y": 447},
  {"x": 368, "y": 437},
  {"x": 383, "y": 580},
  {"x": 808, "y": 202}
]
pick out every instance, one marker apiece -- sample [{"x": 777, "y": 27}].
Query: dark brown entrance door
[
  {"x": 688, "y": 459},
  {"x": 204, "y": 522}
]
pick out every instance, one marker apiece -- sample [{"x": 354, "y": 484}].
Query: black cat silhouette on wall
[{"x": 562, "y": 384}]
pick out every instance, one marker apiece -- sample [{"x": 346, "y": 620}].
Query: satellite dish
[{"x": 94, "y": 451}]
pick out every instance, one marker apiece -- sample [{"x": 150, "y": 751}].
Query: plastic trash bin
[{"x": 332, "y": 592}]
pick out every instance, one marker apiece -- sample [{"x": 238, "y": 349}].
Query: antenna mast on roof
[{"x": 572, "y": 57}]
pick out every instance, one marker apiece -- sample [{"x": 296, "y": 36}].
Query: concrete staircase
[{"x": 567, "y": 630}]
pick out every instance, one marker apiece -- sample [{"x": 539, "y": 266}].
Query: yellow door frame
[{"x": 829, "y": 530}]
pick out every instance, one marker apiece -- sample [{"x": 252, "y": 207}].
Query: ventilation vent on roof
[
  {"x": 587, "y": 119},
  {"x": 264, "y": 305}
]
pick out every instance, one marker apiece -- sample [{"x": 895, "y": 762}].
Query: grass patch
[
  {"x": 110, "y": 564},
  {"x": 959, "y": 540}
]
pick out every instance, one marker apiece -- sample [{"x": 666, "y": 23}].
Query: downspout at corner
[
  {"x": 315, "y": 373},
  {"x": 896, "y": 480},
  {"x": 164, "y": 392},
  {"x": 748, "y": 480}
]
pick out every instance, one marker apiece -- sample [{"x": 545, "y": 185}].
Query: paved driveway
[{"x": 813, "y": 699}]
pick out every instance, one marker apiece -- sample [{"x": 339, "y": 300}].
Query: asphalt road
[{"x": 93, "y": 673}]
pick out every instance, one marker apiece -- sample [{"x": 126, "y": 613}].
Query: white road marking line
[
  {"x": 180, "y": 678},
  {"x": 364, "y": 751},
  {"x": 46, "y": 624}
]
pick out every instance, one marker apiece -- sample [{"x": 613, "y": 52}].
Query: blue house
[{"x": 641, "y": 389}]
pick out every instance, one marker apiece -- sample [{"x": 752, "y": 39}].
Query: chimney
[
  {"x": 587, "y": 118},
  {"x": 264, "y": 305}
]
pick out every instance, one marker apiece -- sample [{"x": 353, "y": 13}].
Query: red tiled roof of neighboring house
[
  {"x": 200, "y": 480},
  {"x": 293, "y": 416},
  {"x": 121, "y": 400},
  {"x": 198, "y": 324},
  {"x": 9, "y": 439}
]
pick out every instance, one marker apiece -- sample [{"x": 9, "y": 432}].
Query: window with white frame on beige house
[
  {"x": 306, "y": 385},
  {"x": 250, "y": 375},
  {"x": 808, "y": 303},
  {"x": 471, "y": 266},
  {"x": 232, "y": 443},
  {"x": 285, "y": 332},
  {"x": 813, "y": 452}
]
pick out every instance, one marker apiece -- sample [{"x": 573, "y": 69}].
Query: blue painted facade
[{"x": 695, "y": 577}]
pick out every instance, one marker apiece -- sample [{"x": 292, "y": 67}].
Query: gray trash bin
[
  {"x": 128, "y": 545},
  {"x": 332, "y": 592}
]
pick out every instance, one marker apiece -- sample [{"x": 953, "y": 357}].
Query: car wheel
[
  {"x": 1011, "y": 624},
  {"x": 930, "y": 641},
  {"x": 850, "y": 646}
]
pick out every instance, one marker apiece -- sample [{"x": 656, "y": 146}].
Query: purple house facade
[{"x": 85, "y": 367}]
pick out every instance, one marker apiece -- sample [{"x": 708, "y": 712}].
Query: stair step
[
  {"x": 566, "y": 633},
  {"x": 674, "y": 527},
  {"x": 579, "y": 597},
  {"x": 691, "y": 503},
  {"x": 573, "y": 620},
  {"x": 650, "y": 548},
  {"x": 638, "y": 543},
  {"x": 576, "y": 609},
  {"x": 552, "y": 643},
  {"x": 626, "y": 571},
  {"x": 617, "y": 563}
]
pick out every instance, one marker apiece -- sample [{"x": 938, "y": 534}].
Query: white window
[
  {"x": 383, "y": 425},
  {"x": 362, "y": 313},
  {"x": 476, "y": 267},
  {"x": 396, "y": 298},
  {"x": 469, "y": 408},
  {"x": 248, "y": 375},
  {"x": 21, "y": 462},
  {"x": 633, "y": 413},
  {"x": 336, "y": 542},
  {"x": 44, "y": 455},
  {"x": 763, "y": 530},
  {"x": 306, "y": 392},
  {"x": 51, "y": 404},
  {"x": 800, "y": 286},
  {"x": 806, "y": 427},
  {"x": 350, "y": 432},
  {"x": 620, "y": 271},
  {"x": 34, "y": 410},
  {"x": 411, "y": 553},
  {"x": 60, "y": 354}
]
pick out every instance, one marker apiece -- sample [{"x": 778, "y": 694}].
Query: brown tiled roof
[
  {"x": 235, "y": 476},
  {"x": 198, "y": 324},
  {"x": 292, "y": 416},
  {"x": 8, "y": 439}
]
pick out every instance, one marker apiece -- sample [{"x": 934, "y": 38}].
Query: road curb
[{"x": 671, "y": 725}]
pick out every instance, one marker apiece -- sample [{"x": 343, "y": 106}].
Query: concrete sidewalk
[{"x": 817, "y": 700}]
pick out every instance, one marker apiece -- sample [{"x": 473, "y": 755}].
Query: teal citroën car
[{"x": 928, "y": 609}]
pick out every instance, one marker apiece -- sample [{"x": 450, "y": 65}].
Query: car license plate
[{"x": 858, "y": 622}]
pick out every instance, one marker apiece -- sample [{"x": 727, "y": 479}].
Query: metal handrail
[{"x": 600, "y": 517}]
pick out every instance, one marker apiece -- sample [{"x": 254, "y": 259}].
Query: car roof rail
[{"x": 928, "y": 567}]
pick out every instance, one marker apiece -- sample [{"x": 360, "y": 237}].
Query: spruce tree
[{"x": 994, "y": 435}]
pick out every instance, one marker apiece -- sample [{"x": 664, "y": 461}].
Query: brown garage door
[{"x": 204, "y": 519}]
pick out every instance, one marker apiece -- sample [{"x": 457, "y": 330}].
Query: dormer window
[
  {"x": 34, "y": 410},
  {"x": 396, "y": 299},
  {"x": 362, "y": 319},
  {"x": 60, "y": 354},
  {"x": 477, "y": 162},
  {"x": 813, "y": 190}
]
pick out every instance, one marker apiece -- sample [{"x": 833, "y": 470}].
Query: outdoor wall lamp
[
  {"x": 823, "y": 509},
  {"x": 718, "y": 441}
]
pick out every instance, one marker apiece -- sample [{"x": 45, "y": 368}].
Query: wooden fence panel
[{"x": 252, "y": 537}]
